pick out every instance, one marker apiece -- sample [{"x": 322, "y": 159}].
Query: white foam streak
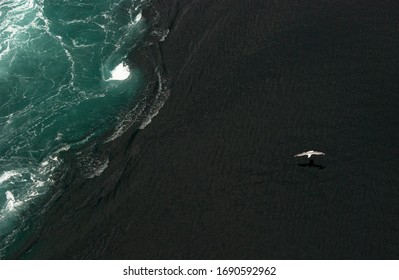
[
  {"x": 162, "y": 96},
  {"x": 99, "y": 169},
  {"x": 143, "y": 112},
  {"x": 13, "y": 24}
]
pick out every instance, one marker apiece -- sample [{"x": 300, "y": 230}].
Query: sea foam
[
  {"x": 8, "y": 175},
  {"x": 121, "y": 72}
]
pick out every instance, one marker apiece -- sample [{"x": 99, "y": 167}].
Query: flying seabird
[{"x": 310, "y": 153}]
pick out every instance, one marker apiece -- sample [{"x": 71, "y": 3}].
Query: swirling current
[{"x": 65, "y": 81}]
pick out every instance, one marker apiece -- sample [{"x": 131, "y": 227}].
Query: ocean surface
[
  {"x": 214, "y": 175},
  {"x": 65, "y": 81}
]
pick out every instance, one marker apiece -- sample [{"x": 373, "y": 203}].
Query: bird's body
[{"x": 310, "y": 153}]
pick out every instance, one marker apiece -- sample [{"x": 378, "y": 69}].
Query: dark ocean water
[
  {"x": 65, "y": 81},
  {"x": 214, "y": 176}
]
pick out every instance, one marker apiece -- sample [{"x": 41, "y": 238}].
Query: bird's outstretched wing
[{"x": 301, "y": 154}]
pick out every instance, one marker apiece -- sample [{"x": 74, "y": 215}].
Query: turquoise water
[{"x": 64, "y": 81}]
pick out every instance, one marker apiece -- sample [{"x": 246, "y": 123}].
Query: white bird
[{"x": 310, "y": 153}]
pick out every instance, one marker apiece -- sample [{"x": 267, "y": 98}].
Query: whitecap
[
  {"x": 138, "y": 18},
  {"x": 120, "y": 72},
  {"x": 10, "y": 196},
  {"x": 59, "y": 136},
  {"x": 10, "y": 201},
  {"x": 8, "y": 175}
]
